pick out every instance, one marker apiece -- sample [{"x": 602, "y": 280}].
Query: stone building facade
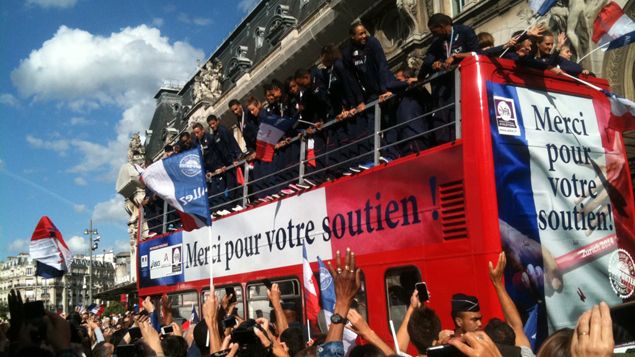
[{"x": 18, "y": 272}]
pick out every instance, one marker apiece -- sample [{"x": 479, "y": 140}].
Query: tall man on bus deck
[
  {"x": 452, "y": 43},
  {"x": 466, "y": 314}
]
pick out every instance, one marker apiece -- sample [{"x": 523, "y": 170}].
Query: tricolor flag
[
  {"x": 612, "y": 25},
  {"x": 622, "y": 113},
  {"x": 541, "y": 7},
  {"x": 194, "y": 319},
  {"x": 96, "y": 309},
  {"x": 49, "y": 250},
  {"x": 272, "y": 128},
  {"x": 180, "y": 180},
  {"x": 312, "y": 299}
]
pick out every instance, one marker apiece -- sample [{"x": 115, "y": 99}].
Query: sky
[{"x": 77, "y": 78}]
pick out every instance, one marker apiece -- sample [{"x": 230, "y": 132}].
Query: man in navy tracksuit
[
  {"x": 227, "y": 152},
  {"x": 452, "y": 43},
  {"x": 368, "y": 76}
]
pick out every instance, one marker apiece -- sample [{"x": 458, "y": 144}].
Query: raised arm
[
  {"x": 512, "y": 317},
  {"x": 403, "y": 338}
]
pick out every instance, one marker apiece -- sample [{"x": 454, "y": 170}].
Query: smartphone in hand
[{"x": 422, "y": 288}]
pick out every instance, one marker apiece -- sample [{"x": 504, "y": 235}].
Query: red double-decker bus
[{"x": 535, "y": 170}]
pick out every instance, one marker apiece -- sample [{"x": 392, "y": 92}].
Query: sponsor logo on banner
[
  {"x": 190, "y": 165},
  {"x": 622, "y": 273},
  {"x": 165, "y": 261},
  {"x": 506, "y": 119},
  {"x": 144, "y": 261}
]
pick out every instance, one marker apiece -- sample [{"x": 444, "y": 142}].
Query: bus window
[
  {"x": 400, "y": 283},
  {"x": 182, "y": 305},
  {"x": 221, "y": 291},
  {"x": 258, "y": 301}
]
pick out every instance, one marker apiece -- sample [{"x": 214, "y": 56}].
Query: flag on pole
[
  {"x": 310, "y": 288},
  {"x": 180, "y": 180},
  {"x": 614, "y": 26},
  {"x": 541, "y": 7},
  {"x": 327, "y": 289},
  {"x": 272, "y": 128},
  {"x": 49, "y": 250},
  {"x": 194, "y": 319}
]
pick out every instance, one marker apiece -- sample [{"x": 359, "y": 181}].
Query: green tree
[{"x": 113, "y": 308}]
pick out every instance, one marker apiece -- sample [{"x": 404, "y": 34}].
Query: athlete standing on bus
[
  {"x": 452, "y": 43},
  {"x": 368, "y": 76}
]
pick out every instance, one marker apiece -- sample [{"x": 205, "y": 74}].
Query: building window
[
  {"x": 458, "y": 6},
  {"x": 221, "y": 291}
]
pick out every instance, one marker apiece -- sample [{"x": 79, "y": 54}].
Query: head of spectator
[
  {"x": 168, "y": 150},
  {"x": 254, "y": 106},
  {"x": 276, "y": 89},
  {"x": 268, "y": 92},
  {"x": 545, "y": 44},
  {"x": 565, "y": 52},
  {"x": 366, "y": 351},
  {"x": 423, "y": 328},
  {"x": 358, "y": 33},
  {"x": 466, "y": 313},
  {"x": 103, "y": 349},
  {"x": 235, "y": 107},
  {"x": 485, "y": 40},
  {"x": 293, "y": 337},
  {"x": 200, "y": 336},
  {"x": 522, "y": 48},
  {"x": 329, "y": 54},
  {"x": 558, "y": 344},
  {"x": 185, "y": 141},
  {"x": 310, "y": 351},
  {"x": 174, "y": 346},
  {"x": 440, "y": 25},
  {"x": 198, "y": 130},
  {"x": 500, "y": 332},
  {"x": 213, "y": 122},
  {"x": 303, "y": 77}
]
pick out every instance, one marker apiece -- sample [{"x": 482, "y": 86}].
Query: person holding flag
[{"x": 180, "y": 180}]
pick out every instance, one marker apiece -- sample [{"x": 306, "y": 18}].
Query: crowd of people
[
  {"x": 331, "y": 108},
  {"x": 152, "y": 331}
]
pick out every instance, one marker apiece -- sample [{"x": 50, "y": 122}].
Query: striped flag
[
  {"x": 622, "y": 112},
  {"x": 194, "y": 319},
  {"x": 612, "y": 25},
  {"x": 272, "y": 128},
  {"x": 49, "y": 250},
  {"x": 180, "y": 180},
  {"x": 311, "y": 297}
]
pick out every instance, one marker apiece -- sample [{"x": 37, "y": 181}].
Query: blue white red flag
[
  {"x": 180, "y": 180},
  {"x": 614, "y": 26},
  {"x": 272, "y": 128},
  {"x": 312, "y": 299},
  {"x": 622, "y": 112},
  {"x": 49, "y": 250},
  {"x": 96, "y": 309},
  {"x": 327, "y": 289},
  {"x": 541, "y": 7},
  {"x": 194, "y": 319}
]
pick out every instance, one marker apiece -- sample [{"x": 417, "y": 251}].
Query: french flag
[
  {"x": 49, "y": 250},
  {"x": 541, "y": 7},
  {"x": 180, "y": 181},
  {"x": 312, "y": 299},
  {"x": 194, "y": 319},
  {"x": 272, "y": 128},
  {"x": 622, "y": 113},
  {"x": 612, "y": 25},
  {"x": 96, "y": 309}
]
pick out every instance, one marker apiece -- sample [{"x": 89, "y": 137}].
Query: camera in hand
[
  {"x": 422, "y": 289},
  {"x": 229, "y": 291},
  {"x": 229, "y": 321},
  {"x": 135, "y": 333},
  {"x": 166, "y": 330}
]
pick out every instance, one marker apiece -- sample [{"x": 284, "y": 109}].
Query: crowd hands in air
[
  {"x": 339, "y": 90},
  {"x": 153, "y": 330}
]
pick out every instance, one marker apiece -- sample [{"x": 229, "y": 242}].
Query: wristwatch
[{"x": 338, "y": 319}]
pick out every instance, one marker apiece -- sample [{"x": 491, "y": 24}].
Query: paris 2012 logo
[
  {"x": 190, "y": 165},
  {"x": 622, "y": 273}
]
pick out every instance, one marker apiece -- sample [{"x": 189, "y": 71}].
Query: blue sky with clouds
[{"x": 77, "y": 77}]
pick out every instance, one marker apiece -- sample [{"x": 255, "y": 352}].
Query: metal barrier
[{"x": 245, "y": 195}]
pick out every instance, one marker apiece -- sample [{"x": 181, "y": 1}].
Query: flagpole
[
  {"x": 536, "y": 18},
  {"x": 582, "y": 81},
  {"x": 595, "y": 49},
  {"x": 210, "y": 260}
]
